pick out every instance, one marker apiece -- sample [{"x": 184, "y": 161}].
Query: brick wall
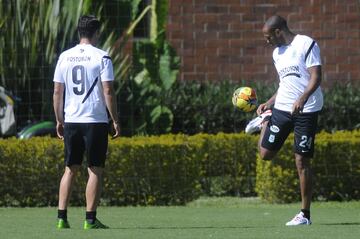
[{"x": 222, "y": 39}]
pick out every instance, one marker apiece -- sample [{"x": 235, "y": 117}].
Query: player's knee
[
  {"x": 95, "y": 170},
  {"x": 266, "y": 154},
  {"x": 72, "y": 170}
]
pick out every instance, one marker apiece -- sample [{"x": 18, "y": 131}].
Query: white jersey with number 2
[
  {"x": 292, "y": 62},
  {"x": 82, "y": 69}
]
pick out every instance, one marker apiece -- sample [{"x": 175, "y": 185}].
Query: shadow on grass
[
  {"x": 182, "y": 228},
  {"x": 341, "y": 224}
]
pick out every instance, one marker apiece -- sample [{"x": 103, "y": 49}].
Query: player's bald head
[{"x": 276, "y": 22}]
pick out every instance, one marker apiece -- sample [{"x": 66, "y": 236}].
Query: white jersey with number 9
[{"x": 82, "y": 69}]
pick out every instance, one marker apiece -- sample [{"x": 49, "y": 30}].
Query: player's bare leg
[
  {"x": 66, "y": 183},
  {"x": 305, "y": 176},
  {"x": 65, "y": 189},
  {"x": 93, "y": 191},
  {"x": 93, "y": 188}
]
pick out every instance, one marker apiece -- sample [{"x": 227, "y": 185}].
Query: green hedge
[
  {"x": 175, "y": 169},
  {"x": 30, "y": 171},
  {"x": 164, "y": 170},
  {"x": 152, "y": 171},
  {"x": 228, "y": 164},
  {"x": 336, "y": 166}
]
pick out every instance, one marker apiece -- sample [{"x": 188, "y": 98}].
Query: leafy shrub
[
  {"x": 340, "y": 111},
  {"x": 207, "y": 108},
  {"x": 30, "y": 172},
  {"x": 195, "y": 107},
  {"x": 152, "y": 170},
  {"x": 175, "y": 169},
  {"x": 336, "y": 166},
  {"x": 158, "y": 170},
  {"x": 228, "y": 164}
]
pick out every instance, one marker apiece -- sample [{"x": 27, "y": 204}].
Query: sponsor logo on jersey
[
  {"x": 288, "y": 71},
  {"x": 274, "y": 129},
  {"x": 78, "y": 58},
  {"x": 272, "y": 138}
]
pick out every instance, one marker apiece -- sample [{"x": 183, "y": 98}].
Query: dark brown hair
[{"x": 87, "y": 26}]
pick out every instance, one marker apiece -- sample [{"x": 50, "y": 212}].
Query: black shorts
[
  {"x": 280, "y": 125},
  {"x": 91, "y": 138}
]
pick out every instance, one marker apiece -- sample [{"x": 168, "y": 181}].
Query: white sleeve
[
  {"x": 107, "y": 73},
  {"x": 312, "y": 55},
  {"x": 58, "y": 76}
]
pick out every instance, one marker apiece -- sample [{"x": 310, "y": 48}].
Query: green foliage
[
  {"x": 228, "y": 164},
  {"x": 158, "y": 170},
  {"x": 336, "y": 166},
  {"x": 155, "y": 70},
  {"x": 30, "y": 172},
  {"x": 141, "y": 171},
  {"x": 206, "y": 106},
  {"x": 117, "y": 46},
  {"x": 194, "y": 107},
  {"x": 341, "y": 111},
  {"x": 152, "y": 171},
  {"x": 50, "y": 26},
  {"x": 175, "y": 169}
]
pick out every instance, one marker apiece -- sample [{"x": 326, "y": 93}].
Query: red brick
[
  {"x": 251, "y": 17},
  {"x": 188, "y": 68},
  {"x": 212, "y": 67},
  {"x": 212, "y": 59},
  {"x": 229, "y": 35},
  {"x": 336, "y": 77},
  {"x": 217, "y": 38},
  {"x": 217, "y": 9},
  {"x": 354, "y": 34},
  {"x": 355, "y": 76},
  {"x": 335, "y": 59},
  {"x": 239, "y": 26},
  {"x": 319, "y": 35},
  {"x": 351, "y": 17},
  {"x": 354, "y": 60},
  {"x": 240, "y": 8},
  {"x": 329, "y": 67},
  {"x": 241, "y": 59},
  {"x": 214, "y": 43},
  {"x": 205, "y": 18},
  {"x": 217, "y": 77},
  {"x": 194, "y": 76}
]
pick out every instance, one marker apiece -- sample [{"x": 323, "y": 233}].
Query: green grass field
[{"x": 205, "y": 218}]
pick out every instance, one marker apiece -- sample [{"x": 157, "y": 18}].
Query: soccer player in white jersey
[
  {"x": 85, "y": 74},
  {"x": 295, "y": 105}
]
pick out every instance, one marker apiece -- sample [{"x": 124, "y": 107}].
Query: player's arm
[
  {"x": 111, "y": 104},
  {"x": 58, "y": 103},
  {"x": 267, "y": 105},
  {"x": 314, "y": 83}
]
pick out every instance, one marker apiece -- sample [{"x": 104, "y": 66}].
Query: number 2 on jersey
[{"x": 78, "y": 78}]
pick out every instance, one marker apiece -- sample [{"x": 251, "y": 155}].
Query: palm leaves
[
  {"x": 33, "y": 33},
  {"x": 30, "y": 35},
  {"x": 156, "y": 67}
]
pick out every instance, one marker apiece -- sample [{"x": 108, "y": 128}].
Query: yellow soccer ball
[{"x": 244, "y": 98}]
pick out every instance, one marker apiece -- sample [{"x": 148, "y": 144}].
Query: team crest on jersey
[
  {"x": 274, "y": 129},
  {"x": 271, "y": 138},
  {"x": 82, "y": 50}
]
